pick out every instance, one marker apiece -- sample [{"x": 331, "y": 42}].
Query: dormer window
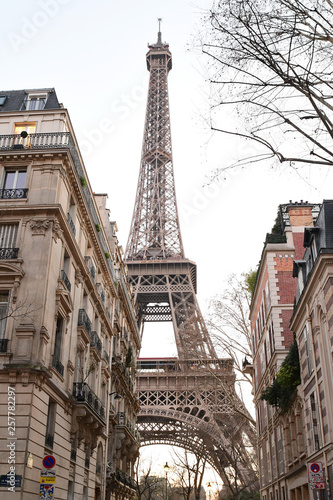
[
  {"x": 2, "y": 99},
  {"x": 34, "y": 102}
]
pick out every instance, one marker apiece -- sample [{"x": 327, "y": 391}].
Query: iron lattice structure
[{"x": 189, "y": 401}]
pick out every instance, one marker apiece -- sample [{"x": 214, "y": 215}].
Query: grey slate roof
[{"x": 15, "y": 99}]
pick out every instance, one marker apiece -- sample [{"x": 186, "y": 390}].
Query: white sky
[{"x": 93, "y": 53}]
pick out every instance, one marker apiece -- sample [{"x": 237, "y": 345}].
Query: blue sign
[
  {"x": 4, "y": 481},
  {"x": 49, "y": 462}
]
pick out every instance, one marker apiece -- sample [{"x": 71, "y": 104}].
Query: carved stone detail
[{"x": 39, "y": 226}]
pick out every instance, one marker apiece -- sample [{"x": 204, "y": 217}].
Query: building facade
[
  {"x": 270, "y": 315},
  {"x": 312, "y": 323},
  {"x": 68, "y": 332}
]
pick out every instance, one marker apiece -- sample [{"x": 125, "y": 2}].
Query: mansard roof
[{"x": 15, "y": 99}]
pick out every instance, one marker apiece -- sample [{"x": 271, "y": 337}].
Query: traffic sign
[
  {"x": 316, "y": 476},
  {"x": 49, "y": 462},
  {"x": 46, "y": 491}
]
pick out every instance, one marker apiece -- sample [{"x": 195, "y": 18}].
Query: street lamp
[
  {"x": 117, "y": 396},
  {"x": 166, "y": 468}
]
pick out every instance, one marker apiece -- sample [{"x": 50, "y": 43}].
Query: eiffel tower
[{"x": 188, "y": 401}]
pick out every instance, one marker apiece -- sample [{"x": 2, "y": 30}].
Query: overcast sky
[{"x": 93, "y": 53}]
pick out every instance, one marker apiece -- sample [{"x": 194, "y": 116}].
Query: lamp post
[{"x": 166, "y": 468}]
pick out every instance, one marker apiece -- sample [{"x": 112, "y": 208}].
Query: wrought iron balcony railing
[
  {"x": 8, "y": 253},
  {"x": 84, "y": 321},
  {"x": 101, "y": 292},
  {"x": 13, "y": 194},
  {"x": 124, "y": 478},
  {"x": 83, "y": 394},
  {"x": 65, "y": 279},
  {"x": 3, "y": 345},
  {"x": 71, "y": 224},
  {"x": 96, "y": 342},
  {"x": 57, "y": 365},
  {"x": 91, "y": 268}
]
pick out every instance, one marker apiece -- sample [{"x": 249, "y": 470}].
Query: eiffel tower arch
[{"x": 190, "y": 400}]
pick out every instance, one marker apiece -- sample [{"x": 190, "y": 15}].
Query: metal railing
[
  {"x": 13, "y": 194},
  {"x": 8, "y": 253},
  {"x": 176, "y": 365},
  {"x": 100, "y": 291},
  {"x": 84, "y": 321},
  {"x": 48, "y": 140},
  {"x": 124, "y": 478},
  {"x": 95, "y": 342},
  {"x": 123, "y": 420},
  {"x": 91, "y": 268},
  {"x": 83, "y": 394},
  {"x": 71, "y": 224},
  {"x": 65, "y": 279},
  {"x": 57, "y": 365}
]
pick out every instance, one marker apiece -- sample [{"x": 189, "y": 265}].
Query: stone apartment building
[
  {"x": 68, "y": 332},
  {"x": 270, "y": 315},
  {"x": 312, "y": 323}
]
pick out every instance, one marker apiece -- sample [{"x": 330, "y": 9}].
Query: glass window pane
[
  {"x": 9, "y": 180},
  {"x": 21, "y": 179}
]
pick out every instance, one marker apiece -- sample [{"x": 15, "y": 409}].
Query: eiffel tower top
[{"x": 155, "y": 232}]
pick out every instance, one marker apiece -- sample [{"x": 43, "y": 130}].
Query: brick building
[
  {"x": 270, "y": 315},
  {"x": 68, "y": 332}
]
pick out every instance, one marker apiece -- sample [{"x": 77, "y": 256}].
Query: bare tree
[
  {"x": 189, "y": 471},
  {"x": 148, "y": 486},
  {"x": 270, "y": 65},
  {"x": 229, "y": 327}
]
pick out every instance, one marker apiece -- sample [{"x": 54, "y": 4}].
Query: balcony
[
  {"x": 66, "y": 281},
  {"x": 101, "y": 292},
  {"x": 8, "y": 253},
  {"x": 71, "y": 224},
  {"x": 13, "y": 194},
  {"x": 122, "y": 420},
  {"x": 124, "y": 478},
  {"x": 85, "y": 396},
  {"x": 84, "y": 321},
  {"x": 96, "y": 343},
  {"x": 3, "y": 345},
  {"x": 35, "y": 141},
  {"x": 57, "y": 365},
  {"x": 91, "y": 268}
]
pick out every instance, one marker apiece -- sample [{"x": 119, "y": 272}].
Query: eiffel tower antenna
[{"x": 183, "y": 400}]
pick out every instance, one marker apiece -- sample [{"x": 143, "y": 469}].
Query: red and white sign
[{"x": 316, "y": 475}]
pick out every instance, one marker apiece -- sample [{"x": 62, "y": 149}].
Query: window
[
  {"x": 308, "y": 348},
  {"x": 8, "y": 234},
  {"x": 4, "y": 298},
  {"x": 315, "y": 421},
  {"x": 50, "y": 424},
  {"x": 2, "y": 100},
  {"x": 56, "y": 363},
  {"x": 70, "y": 493},
  {"x": 15, "y": 179},
  {"x": 34, "y": 102},
  {"x": 23, "y": 132}
]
